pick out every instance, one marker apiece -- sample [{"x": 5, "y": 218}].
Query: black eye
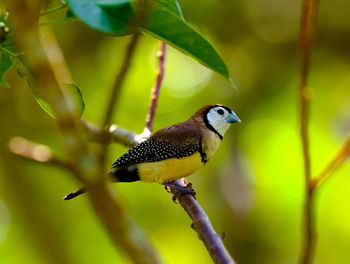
[{"x": 220, "y": 112}]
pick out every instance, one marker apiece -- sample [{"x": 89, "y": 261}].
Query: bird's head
[{"x": 217, "y": 118}]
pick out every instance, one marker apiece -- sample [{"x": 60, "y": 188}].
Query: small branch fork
[
  {"x": 308, "y": 16},
  {"x": 309, "y": 11}
]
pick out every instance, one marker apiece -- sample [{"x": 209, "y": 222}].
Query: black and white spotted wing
[{"x": 153, "y": 150}]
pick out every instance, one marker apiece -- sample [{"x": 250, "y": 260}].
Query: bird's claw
[{"x": 180, "y": 190}]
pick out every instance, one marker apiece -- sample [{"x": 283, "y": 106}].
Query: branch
[
  {"x": 120, "y": 79},
  {"x": 161, "y": 54},
  {"x": 123, "y": 230},
  {"x": 137, "y": 20},
  {"x": 37, "y": 152},
  {"x": 114, "y": 133},
  {"x": 334, "y": 164},
  {"x": 47, "y": 66},
  {"x": 115, "y": 95},
  {"x": 308, "y": 17},
  {"x": 201, "y": 224}
]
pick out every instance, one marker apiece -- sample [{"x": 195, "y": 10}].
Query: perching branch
[
  {"x": 308, "y": 17},
  {"x": 201, "y": 223}
]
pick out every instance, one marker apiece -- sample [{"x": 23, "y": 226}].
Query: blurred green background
[{"x": 252, "y": 189}]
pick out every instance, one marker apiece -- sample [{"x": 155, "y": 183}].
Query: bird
[{"x": 174, "y": 152}]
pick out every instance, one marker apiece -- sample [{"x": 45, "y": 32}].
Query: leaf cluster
[{"x": 162, "y": 19}]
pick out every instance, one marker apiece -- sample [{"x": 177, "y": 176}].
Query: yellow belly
[{"x": 170, "y": 169}]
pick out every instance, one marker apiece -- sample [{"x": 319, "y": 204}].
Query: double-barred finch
[{"x": 174, "y": 152}]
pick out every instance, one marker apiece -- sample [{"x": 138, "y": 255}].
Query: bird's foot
[{"x": 180, "y": 190}]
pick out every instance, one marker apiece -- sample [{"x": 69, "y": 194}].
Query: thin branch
[
  {"x": 161, "y": 54},
  {"x": 115, "y": 134},
  {"x": 115, "y": 94},
  {"x": 308, "y": 17},
  {"x": 120, "y": 79},
  {"x": 42, "y": 63},
  {"x": 125, "y": 232},
  {"x": 55, "y": 57},
  {"x": 334, "y": 164},
  {"x": 37, "y": 152},
  {"x": 201, "y": 224}
]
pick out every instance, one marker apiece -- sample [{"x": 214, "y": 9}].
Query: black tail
[
  {"x": 75, "y": 194},
  {"x": 128, "y": 174},
  {"x": 125, "y": 174}
]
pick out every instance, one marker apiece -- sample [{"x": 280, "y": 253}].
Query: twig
[
  {"x": 105, "y": 205},
  {"x": 308, "y": 17},
  {"x": 115, "y": 95},
  {"x": 120, "y": 79},
  {"x": 334, "y": 164},
  {"x": 37, "y": 152},
  {"x": 161, "y": 54},
  {"x": 201, "y": 224},
  {"x": 115, "y": 134}
]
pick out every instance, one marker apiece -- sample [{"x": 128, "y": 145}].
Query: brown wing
[{"x": 177, "y": 141}]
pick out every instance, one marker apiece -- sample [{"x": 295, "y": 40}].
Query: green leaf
[
  {"x": 173, "y": 6},
  {"x": 164, "y": 20},
  {"x": 91, "y": 13},
  {"x": 163, "y": 24},
  {"x": 72, "y": 92},
  {"x": 24, "y": 73},
  {"x": 5, "y": 65},
  {"x": 75, "y": 99},
  {"x": 7, "y": 50}
]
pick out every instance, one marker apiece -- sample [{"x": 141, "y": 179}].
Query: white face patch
[{"x": 216, "y": 118}]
